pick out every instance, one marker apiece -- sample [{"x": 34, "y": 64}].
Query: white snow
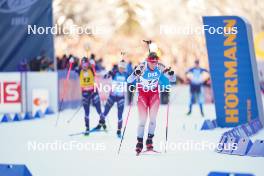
[{"x": 102, "y": 159}]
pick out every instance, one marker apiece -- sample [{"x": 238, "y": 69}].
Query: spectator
[
  {"x": 99, "y": 65},
  {"x": 23, "y": 66}
]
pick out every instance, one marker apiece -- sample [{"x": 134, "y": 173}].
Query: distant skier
[
  {"x": 196, "y": 77},
  {"x": 89, "y": 93},
  {"x": 117, "y": 94},
  {"x": 147, "y": 75}
]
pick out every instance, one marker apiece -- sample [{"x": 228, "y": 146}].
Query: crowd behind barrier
[{"x": 45, "y": 64}]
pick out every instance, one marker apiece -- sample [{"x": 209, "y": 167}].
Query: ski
[
  {"x": 76, "y": 134},
  {"x": 154, "y": 151},
  {"x": 148, "y": 152},
  {"x": 91, "y": 131}
]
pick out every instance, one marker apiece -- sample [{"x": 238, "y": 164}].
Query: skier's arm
[
  {"x": 77, "y": 70},
  {"x": 188, "y": 71},
  {"x": 208, "y": 75},
  {"x": 108, "y": 75},
  {"x": 137, "y": 72},
  {"x": 92, "y": 63},
  {"x": 132, "y": 78},
  {"x": 205, "y": 70},
  {"x": 168, "y": 73}
]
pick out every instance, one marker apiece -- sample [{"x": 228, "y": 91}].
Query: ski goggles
[{"x": 152, "y": 60}]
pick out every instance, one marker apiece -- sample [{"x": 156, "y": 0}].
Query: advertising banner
[{"x": 233, "y": 70}]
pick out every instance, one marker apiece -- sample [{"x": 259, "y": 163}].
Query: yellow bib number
[{"x": 86, "y": 79}]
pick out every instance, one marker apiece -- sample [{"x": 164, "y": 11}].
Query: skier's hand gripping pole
[{"x": 64, "y": 89}]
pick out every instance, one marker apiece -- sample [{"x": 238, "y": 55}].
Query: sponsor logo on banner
[
  {"x": 40, "y": 100},
  {"x": 10, "y": 93},
  {"x": 233, "y": 71},
  {"x": 18, "y": 8}
]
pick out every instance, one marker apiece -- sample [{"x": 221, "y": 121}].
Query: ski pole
[
  {"x": 122, "y": 137},
  {"x": 167, "y": 125},
  {"x": 64, "y": 89},
  {"x": 148, "y": 42},
  {"x": 74, "y": 115}
]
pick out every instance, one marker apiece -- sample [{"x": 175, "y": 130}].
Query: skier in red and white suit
[{"x": 147, "y": 75}]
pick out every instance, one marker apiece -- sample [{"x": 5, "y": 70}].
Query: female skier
[
  {"x": 147, "y": 75},
  {"x": 117, "y": 94},
  {"x": 89, "y": 93}
]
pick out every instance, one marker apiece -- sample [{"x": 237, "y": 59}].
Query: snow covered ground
[{"x": 97, "y": 154}]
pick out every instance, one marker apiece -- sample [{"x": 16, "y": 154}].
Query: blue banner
[
  {"x": 233, "y": 70},
  {"x": 16, "y": 45}
]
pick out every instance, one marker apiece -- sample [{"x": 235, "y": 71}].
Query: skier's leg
[
  {"x": 201, "y": 109},
  {"x": 97, "y": 104},
  {"x": 200, "y": 98},
  {"x": 120, "y": 110},
  {"x": 192, "y": 101},
  {"x": 86, "y": 98},
  {"x": 153, "y": 110},
  {"x": 143, "y": 112},
  {"x": 109, "y": 103}
]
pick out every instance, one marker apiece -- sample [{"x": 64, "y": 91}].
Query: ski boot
[
  {"x": 118, "y": 133},
  {"x": 119, "y": 127},
  {"x": 139, "y": 145},
  {"x": 100, "y": 125},
  {"x": 87, "y": 131},
  {"x": 103, "y": 125},
  {"x": 149, "y": 142}
]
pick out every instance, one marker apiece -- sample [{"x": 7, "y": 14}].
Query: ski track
[{"x": 16, "y": 136}]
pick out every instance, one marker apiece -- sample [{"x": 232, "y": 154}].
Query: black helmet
[
  {"x": 152, "y": 57},
  {"x": 84, "y": 59}
]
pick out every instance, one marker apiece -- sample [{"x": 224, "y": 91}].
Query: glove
[
  {"x": 166, "y": 70},
  {"x": 171, "y": 72},
  {"x": 108, "y": 75},
  {"x": 137, "y": 72}
]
